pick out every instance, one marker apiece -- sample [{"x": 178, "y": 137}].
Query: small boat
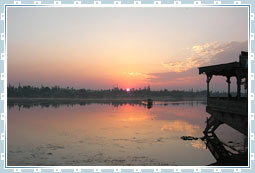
[{"x": 149, "y": 103}]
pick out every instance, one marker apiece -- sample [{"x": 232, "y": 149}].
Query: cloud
[
  {"x": 175, "y": 78},
  {"x": 141, "y": 75},
  {"x": 209, "y": 49},
  {"x": 180, "y": 66},
  {"x": 230, "y": 53},
  {"x": 186, "y": 71},
  {"x": 207, "y": 54}
]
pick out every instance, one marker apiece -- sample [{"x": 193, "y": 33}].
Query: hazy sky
[{"x": 128, "y": 47}]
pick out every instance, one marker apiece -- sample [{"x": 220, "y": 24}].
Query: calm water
[{"x": 106, "y": 134}]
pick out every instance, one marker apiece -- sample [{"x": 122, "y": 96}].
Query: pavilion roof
[{"x": 228, "y": 69}]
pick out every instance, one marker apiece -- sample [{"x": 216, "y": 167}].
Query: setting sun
[{"x": 128, "y": 89}]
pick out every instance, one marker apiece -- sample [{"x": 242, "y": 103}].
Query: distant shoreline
[{"x": 17, "y": 100}]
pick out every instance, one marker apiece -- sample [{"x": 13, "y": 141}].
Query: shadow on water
[{"x": 226, "y": 154}]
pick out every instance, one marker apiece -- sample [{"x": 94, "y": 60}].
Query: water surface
[{"x": 108, "y": 134}]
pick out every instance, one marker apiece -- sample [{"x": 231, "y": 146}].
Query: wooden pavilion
[{"x": 229, "y": 110}]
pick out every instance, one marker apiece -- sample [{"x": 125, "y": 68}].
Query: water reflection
[
  {"x": 230, "y": 150},
  {"x": 181, "y": 126},
  {"x": 44, "y": 103},
  {"x": 227, "y": 154},
  {"x": 106, "y": 133}
]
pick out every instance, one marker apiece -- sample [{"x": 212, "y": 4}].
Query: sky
[{"x": 101, "y": 48}]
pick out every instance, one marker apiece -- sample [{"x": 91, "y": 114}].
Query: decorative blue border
[{"x": 49, "y": 169}]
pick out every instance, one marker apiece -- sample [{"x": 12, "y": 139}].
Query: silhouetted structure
[{"x": 232, "y": 111}]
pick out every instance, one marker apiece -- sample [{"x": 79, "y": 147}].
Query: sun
[{"x": 127, "y": 89}]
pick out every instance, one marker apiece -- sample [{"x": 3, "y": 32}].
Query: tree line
[{"x": 70, "y": 92}]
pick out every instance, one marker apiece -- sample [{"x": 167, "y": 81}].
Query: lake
[{"x": 111, "y": 134}]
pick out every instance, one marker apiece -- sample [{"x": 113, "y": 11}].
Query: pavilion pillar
[
  {"x": 238, "y": 82},
  {"x": 228, "y": 81},
  {"x": 246, "y": 85},
  {"x": 209, "y": 77}
]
